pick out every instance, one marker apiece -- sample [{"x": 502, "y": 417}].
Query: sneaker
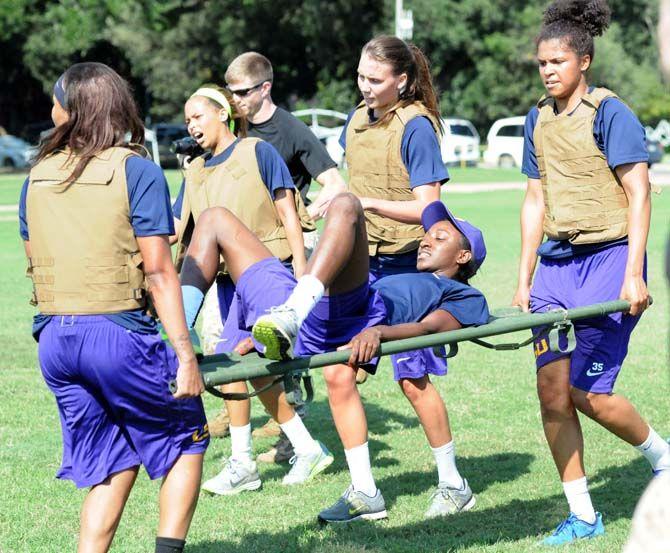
[
  {"x": 236, "y": 476},
  {"x": 270, "y": 429},
  {"x": 277, "y": 331},
  {"x": 361, "y": 376},
  {"x": 353, "y": 506},
  {"x": 219, "y": 427},
  {"x": 306, "y": 467},
  {"x": 573, "y": 528},
  {"x": 281, "y": 452},
  {"x": 447, "y": 501}
]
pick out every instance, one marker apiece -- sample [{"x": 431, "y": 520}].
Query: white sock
[
  {"x": 240, "y": 443},
  {"x": 656, "y": 450},
  {"x": 579, "y": 499},
  {"x": 305, "y": 296},
  {"x": 358, "y": 460},
  {"x": 299, "y": 436},
  {"x": 445, "y": 459}
]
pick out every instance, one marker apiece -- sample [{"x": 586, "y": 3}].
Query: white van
[
  {"x": 460, "y": 143},
  {"x": 505, "y": 142}
]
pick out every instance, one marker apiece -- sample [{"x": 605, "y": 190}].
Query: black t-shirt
[{"x": 302, "y": 152}]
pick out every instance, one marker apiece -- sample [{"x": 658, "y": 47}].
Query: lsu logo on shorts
[
  {"x": 200, "y": 435},
  {"x": 540, "y": 346}
]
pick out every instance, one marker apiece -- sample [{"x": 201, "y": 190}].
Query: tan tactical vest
[
  {"x": 235, "y": 184},
  {"x": 584, "y": 201},
  {"x": 84, "y": 255},
  {"x": 376, "y": 170}
]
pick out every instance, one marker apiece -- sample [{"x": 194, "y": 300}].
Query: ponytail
[{"x": 409, "y": 59}]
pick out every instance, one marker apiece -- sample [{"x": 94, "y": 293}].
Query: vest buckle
[{"x": 67, "y": 320}]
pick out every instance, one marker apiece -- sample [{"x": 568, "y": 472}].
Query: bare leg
[
  {"x": 179, "y": 496},
  {"x": 219, "y": 232},
  {"x": 274, "y": 400},
  {"x": 613, "y": 412},
  {"x": 346, "y": 405},
  {"x": 430, "y": 409},
  {"x": 559, "y": 418},
  {"x": 341, "y": 259},
  {"x": 239, "y": 411},
  {"x": 102, "y": 510}
]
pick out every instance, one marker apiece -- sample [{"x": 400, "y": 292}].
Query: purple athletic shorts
[
  {"x": 332, "y": 322},
  {"x": 116, "y": 412},
  {"x": 602, "y": 342},
  {"x": 410, "y": 364}
]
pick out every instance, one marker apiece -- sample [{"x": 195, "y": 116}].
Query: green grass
[{"x": 494, "y": 415}]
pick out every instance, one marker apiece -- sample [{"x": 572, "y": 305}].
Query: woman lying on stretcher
[{"x": 290, "y": 317}]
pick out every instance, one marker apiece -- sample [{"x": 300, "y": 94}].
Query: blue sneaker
[{"x": 573, "y": 528}]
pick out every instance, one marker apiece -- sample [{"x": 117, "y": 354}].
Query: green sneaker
[
  {"x": 353, "y": 506},
  {"x": 448, "y": 501},
  {"x": 277, "y": 332},
  {"x": 306, "y": 467}
]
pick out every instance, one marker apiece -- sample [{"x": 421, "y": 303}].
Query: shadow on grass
[
  {"x": 381, "y": 421},
  {"x": 615, "y": 491}
]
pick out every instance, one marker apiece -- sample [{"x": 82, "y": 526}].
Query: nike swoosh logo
[
  {"x": 589, "y": 372},
  {"x": 402, "y": 359}
]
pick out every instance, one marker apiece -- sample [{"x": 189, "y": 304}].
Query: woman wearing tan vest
[
  {"x": 248, "y": 177},
  {"x": 588, "y": 192},
  {"x": 392, "y": 146},
  {"x": 95, "y": 218}
]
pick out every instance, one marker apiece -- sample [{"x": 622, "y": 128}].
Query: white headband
[{"x": 215, "y": 95}]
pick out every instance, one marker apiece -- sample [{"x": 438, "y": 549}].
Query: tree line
[{"x": 481, "y": 51}]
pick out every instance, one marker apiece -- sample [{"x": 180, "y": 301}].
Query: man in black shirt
[{"x": 249, "y": 78}]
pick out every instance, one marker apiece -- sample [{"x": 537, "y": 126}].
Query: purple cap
[{"x": 436, "y": 211}]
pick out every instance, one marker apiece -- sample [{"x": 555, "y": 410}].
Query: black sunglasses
[{"x": 242, "y": 92}]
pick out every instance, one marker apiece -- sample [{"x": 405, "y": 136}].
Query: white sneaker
[
  {"x": 277, "y": 332},
  {"x": 306, "y": 467},
  {"x": 236, "y": 476}
]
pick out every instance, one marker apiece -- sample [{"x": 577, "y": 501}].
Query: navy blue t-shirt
[
  {"x": 618, "y": 134},
  {"x": 412, "y": 297},
  {"x": 150, "y": 215},
  {"x": 419, "y": 149},
  {"x": 274, "y": 172}
]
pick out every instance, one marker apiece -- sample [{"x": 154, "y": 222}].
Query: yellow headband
[{"x": 215, "y": 95}]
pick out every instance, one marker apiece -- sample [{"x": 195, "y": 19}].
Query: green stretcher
[{"x": 555, "y": 325}]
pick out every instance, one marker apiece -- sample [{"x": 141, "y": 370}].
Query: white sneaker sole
[
  {"x": 246, "y": 487},
  {"x": 365, "y": 516}
]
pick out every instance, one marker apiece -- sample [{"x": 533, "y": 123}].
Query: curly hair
[{"x": 576, "y": 22}]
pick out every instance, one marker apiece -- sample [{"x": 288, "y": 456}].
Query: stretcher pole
[{"x": 226, "y": 368}]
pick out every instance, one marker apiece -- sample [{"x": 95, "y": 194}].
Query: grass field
[{"x": 493, "y": 410}]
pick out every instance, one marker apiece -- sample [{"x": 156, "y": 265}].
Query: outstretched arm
[
  {"x": 634, "y": 178},
  {"x": 285, "y": 203},
  {"x": 163, "y": 286},
  {"x": 365, "y": 345},
  {"x": 332, "y": 184},
  {"x": 532, "y": 216}
]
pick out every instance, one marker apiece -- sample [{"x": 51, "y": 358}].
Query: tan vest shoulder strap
[{"x": 596, "y": 97}]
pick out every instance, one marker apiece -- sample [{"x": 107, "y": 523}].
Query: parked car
[
  {"x": 166, "y": 134},
  {"x": 15, "y": 153},
  {"x": 327, "y": 125},
  {"x": 655, "y": 150},
  {"x": 460, "y": 142},
  {"x": 504, "y": 142}
]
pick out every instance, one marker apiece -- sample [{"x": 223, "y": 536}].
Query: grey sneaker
[
  {"x": 353, "y": 506},
  {"x": 236, "y": 477},
  {"x": 306, "y": 467},
  {"x": 277, "y": 331},
  {"x": 447, "y": 501}
]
